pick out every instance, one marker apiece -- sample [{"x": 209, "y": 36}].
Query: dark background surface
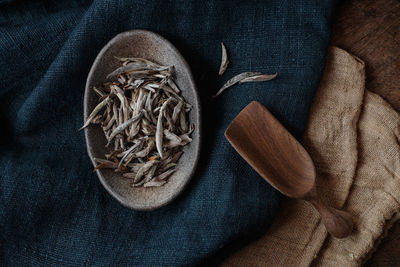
[
  {"x": 54, "y": 210},
  {"x": 371, "y": 30}
]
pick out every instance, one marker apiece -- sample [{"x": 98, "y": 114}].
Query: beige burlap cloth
[{"x": 353, "y": 136}]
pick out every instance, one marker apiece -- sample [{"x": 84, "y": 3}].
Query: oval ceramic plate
[{"x": 148, "y": 45}]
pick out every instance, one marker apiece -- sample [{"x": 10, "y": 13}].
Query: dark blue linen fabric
[{"x": 54, "y": 211}]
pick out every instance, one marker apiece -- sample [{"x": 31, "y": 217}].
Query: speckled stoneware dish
[{"x": 148, "y": 45}]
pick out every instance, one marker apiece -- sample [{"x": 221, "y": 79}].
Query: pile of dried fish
[
  {"x": 144, "y": 118},
  {"x": 242, "y": 77}
]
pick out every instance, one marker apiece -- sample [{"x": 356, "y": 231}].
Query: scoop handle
[{"x": 337, "y": 222}]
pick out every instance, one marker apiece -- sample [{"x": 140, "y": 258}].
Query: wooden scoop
[{"x": 282, "y": 161}]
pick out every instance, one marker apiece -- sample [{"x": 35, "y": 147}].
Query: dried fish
[
  {"x": 121, "y": 79},
  {"x": 157, "y": 109},
  {"x": 121, "y": 142},
  {"x": 183, "y": 122},
  {"x": 185, "y": 138},
  {"x": 112, "y": 155},
  {"x": 120, "y": 116},
  {"x": 139, "y": 101},
  {"x": 165, "y": 175},
  {"x": 141, "y": 172},
  {"x": 135, "y": 166},
  {"x": 174, "y": 143},
  {"x": 138, "y": 110},
  {"x": 107, "y": 115},
  {"x": 137, "y": 83},
  {"x": 126, "y": 154},
  {"x": 99, "y": 92},
  {"x": 109, "y": 124},
  {"x": 133, "y": 66},
  {"x": 116, "y": 144},
  {"x": 188, "y": 107},
  {"x": 150, "y": 175},
  {"x": 259, "y": 78},
  {"x": 169, "y": 166},
  {"x": 176, "y": 157},
  {"x": 148, "y": 102},
  {"x": 146, "y": 150},
  {"x": 138, "y": 184},
  {"x": 124, "y": 103},
  {"x": 97, "y": 119},
  {"x": 166, "y": 154},
  {"x": 246, "y": 76},
  {"x": 174, "y": 87},
  {"x": 169, "y": 120},
  {"x": 171, "y": 136},
  {"x": 224, "y": 60},
  {"x": 168, "y": 89},
  {"x": 147, "y": 117},
  {"x": 123, "y": 126},
  {"x": 159, "y": 129},
  {"x": 151, "y": 89},
  {"x": 191, "y": 129},
  {"x": 177, "y": 110},
  {"x": 141, "y": 74},
  {"x": 96, "y": 110},
  {"x": 135, "y": 128},
  {"x": 103, "y": 163}
]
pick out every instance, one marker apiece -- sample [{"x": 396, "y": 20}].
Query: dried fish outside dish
[
  {"x": 240, "y": 78},
  {"x": 246, "y": 77},
  {"x": 224, "y": 60}
]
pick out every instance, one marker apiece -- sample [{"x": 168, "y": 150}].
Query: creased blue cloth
[{"x": 53, "y": 209}]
